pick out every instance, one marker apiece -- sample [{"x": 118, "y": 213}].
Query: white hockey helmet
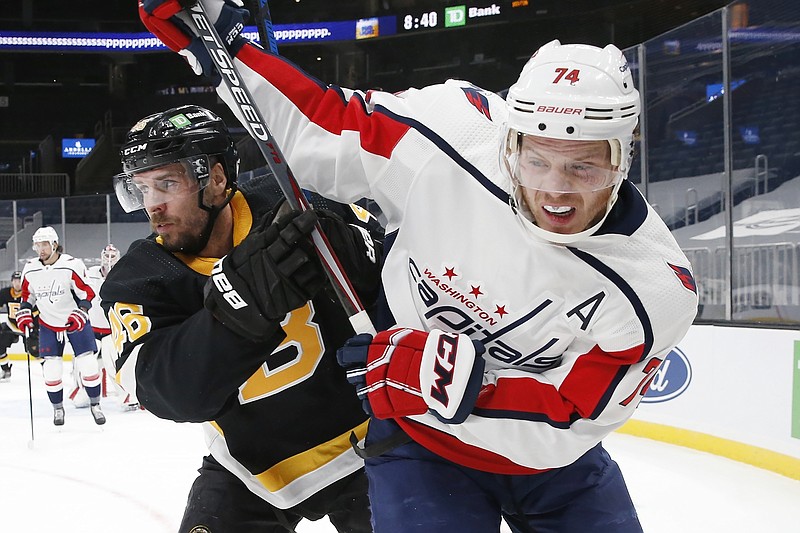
[
  {"x": 45, "y": 234},
  {"x": 573, "y": 92},
  {"x": 108, "y": 258}
]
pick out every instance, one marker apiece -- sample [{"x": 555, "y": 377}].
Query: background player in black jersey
[
  {"x": 245, "y": 344},
  {"x": 8, "y": 297},
  {"x": 9, "y": 333}
]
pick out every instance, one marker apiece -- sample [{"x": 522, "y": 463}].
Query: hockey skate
[
  {"x": 58, "y": 416},
  {"x": 97, "y": 414},
  {"x": 5, "y": 373}
]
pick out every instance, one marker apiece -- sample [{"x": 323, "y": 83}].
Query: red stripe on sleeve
[
  {"x": 82, "y": 285},
  {"x": 594, "y": 376},
  {"x": 590, "y": 382},
  {"x": 379, "y": 133}
]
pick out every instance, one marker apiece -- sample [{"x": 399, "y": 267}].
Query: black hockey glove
[
  {"x": 272, "y": 272},
  {"x": 357, "y": 252}
]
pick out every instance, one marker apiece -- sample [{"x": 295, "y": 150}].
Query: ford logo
[{"x": 671, "y": 378}]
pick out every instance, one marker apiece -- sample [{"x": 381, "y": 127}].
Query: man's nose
[{"x": 555, "y": 180}]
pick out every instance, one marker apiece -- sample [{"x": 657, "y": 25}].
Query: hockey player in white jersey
[
  {"x": 56, "y": 284},
  {"x": 531, "y": 291}
]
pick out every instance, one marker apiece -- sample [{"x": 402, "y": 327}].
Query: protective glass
[
  {"x": 543, "y": 170},
  {"x": 161, "y": 183}
]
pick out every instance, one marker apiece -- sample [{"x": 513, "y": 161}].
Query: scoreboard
[
  {"x": 456, "y": 16},
  {"x": 459, "y": 15}
]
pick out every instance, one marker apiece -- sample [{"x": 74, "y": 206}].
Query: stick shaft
[
  {"x": 252, "y": 119},
  {"x": 30, "y": 385}
]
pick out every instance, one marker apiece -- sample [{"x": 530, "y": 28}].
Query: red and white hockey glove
[
  {"x": 24, "y": 318},
  {"x": 404, "y": 372},
  {"x": 77, "y": 320},
  {"x": 168, "y": 21}
]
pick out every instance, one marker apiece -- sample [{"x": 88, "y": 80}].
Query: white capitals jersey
[
  {"x": 573, "y": 334},
  {"x": 55, "y": 289},
  {"x": 95, "y": 278}
]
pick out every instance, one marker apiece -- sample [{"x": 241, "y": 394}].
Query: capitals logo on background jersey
[{"x": 477, "y": 99}]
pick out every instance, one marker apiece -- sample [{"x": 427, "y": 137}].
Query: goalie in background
[
  {"x": 225, "y": 319},
  {"x": 95, "y": 276},
  {"x": 55, "y": 282}
]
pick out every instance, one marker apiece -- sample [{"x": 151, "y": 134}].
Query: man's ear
[{"x": 217, "y": 180}]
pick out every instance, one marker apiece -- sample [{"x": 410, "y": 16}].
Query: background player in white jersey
[
  {"x": 531, "y": 291},
  {"x": 56, "y": 284}
]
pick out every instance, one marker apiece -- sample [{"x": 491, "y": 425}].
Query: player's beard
[{"x": 193, "y": 237}]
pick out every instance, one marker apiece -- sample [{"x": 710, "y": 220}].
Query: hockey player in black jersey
[
  {"x": 245, "y": 344},
  {"x": 10, "y": 333}
]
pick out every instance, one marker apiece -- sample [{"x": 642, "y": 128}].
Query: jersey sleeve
[
  {"x": 28, "y": 296},
  {"x": 342, "y": 143},
  {"x": 80, "y": 285},
  {"x": 180, "y": 362}
]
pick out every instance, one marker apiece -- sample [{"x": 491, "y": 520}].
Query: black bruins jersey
[
  {"x": 11, "y": 299},
  {"x": 279, "y": 414}
]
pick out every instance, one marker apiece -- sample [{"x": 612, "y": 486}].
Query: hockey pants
[
  {"x": 414, "y": 490},
  {"x": 221, "y": 502}
]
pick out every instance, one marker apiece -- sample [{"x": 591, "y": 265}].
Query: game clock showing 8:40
[{"x": 423, "y": 21}]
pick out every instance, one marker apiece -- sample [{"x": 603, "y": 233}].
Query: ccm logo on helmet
[
  {"x": 133, "y": 149},
  {"x": 224, "y": 286},
  {"x": 559, "y": 110}
]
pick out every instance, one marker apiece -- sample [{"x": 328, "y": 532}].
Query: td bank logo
[{"x": 455, "y": 16}]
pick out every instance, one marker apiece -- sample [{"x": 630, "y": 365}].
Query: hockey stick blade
[{"x": 254, "y": 122}]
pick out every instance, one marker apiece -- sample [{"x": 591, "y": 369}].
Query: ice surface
[{"x": 133, "y": 474}]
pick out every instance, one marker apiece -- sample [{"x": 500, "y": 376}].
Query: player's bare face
[
  {"x": 566, "y": 184},
  {"x": 170, "y": 199}
]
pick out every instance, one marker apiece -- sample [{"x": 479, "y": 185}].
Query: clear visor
[
  {"x": 161, "y": 183},
  {"x": 43, "y": 245},
  {"x": 557, "y": 170}
]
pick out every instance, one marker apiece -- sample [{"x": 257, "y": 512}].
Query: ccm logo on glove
[
  {"x": 445, "y": 361},
  {"x": 224, "y": 286}
]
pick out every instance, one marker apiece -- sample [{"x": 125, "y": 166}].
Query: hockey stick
[
  {"x": 264, "y": 24},
  {"x": 251, "y": 118},
  {"x": 30, "y": 386}
]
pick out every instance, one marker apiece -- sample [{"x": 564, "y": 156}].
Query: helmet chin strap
[
  {"x": 524, "y": 215},
  {"x": 213, "y": 213}
]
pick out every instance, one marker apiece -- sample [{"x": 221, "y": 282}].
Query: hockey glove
[
  {"x": 24, "y": 317},
  {"x": 358, "y": 253},
  {"x": 404, "y": 372},
  {"x": 272, "y": 272},
  {"x": 168, "y": 21},
  {"x": 77, "y": 320}
]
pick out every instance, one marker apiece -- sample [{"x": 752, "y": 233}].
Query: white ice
[{"x": 132, "y": 475}]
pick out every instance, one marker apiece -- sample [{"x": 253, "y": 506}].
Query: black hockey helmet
[
  {"x": 188, "y": 134},
  {"x": 176, "y": 133},
  {"x": 16, "y": 275}
]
